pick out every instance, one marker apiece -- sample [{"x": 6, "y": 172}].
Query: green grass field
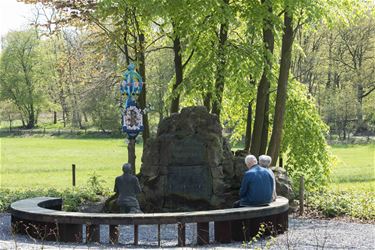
[
  {"x": 355, "y": 167},
  {"x": 47, "y": 162},
  {"x": 30, "y": 162}
]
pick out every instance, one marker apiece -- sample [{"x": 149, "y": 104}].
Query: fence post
[
  {"x": 74, "y": 175},
  {"x": 301, "y": 194},
  {"x": 280, "y": 161}
]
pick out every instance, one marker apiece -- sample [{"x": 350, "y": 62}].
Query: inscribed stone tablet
[
  {"x": 192, "y": 182},
  {"x": 188, "y": 152}
]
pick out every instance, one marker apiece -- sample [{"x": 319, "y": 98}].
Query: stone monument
[{"x": 188, "y": 166}]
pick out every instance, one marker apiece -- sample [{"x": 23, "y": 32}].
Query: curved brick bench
[{"x": 41, "y": 218}]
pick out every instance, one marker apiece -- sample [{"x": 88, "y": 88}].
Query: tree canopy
[{"x": 277, "y": 68}]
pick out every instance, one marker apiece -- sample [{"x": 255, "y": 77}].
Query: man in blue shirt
[{"x": 257, "y": 185}]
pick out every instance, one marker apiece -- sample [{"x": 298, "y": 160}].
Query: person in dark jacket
[
  {"x": 127, "y": 187},
  {"x": 256, "y": 186}
]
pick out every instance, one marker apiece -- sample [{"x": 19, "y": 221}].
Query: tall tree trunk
[
  {"x": 264, "y": 84},
  {"x": 85, "y": 117},
  {"x": 207, "y": 101},
  {"x": 175, "y": 104},
  {"x": 64, "y": 117},
  {"x": 329, "y": 76},
  {"x": 282, "y": 84},
  {"x": 23, "y": 121},
  {"x": 142, "y": 97},
  {"x": 266, "y": 121},
  {"x": 248, "y": 126},
  {"x": 220, "y": 67},
  {"x": 10, "y": 122},
  {"x": 126, "y": 49},
  {"x": 54, "y": 117},
  {"x": 359, "y": 112},
  {"x": 31, "y": 117}
]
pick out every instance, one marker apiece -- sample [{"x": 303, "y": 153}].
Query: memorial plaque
[
  {"x": 193, "y": 182},
  {"x": 188, "y": 152}
]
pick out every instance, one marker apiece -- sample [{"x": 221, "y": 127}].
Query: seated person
[
  {"x": 127, "y": 187},
  {"x": 256, "y": 186},
  {"x": 265, "y": 161}
]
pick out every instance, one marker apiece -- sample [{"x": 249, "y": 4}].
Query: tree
[
  {"x": 9, "y": 113},
  {"x": 286, "y": 55},
  {"x": 357, "y": 57},
  {"x": 261, "y": 112},
  {"x": 18, "y": 67}
]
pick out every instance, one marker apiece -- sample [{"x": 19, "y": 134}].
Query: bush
[
  {"x": 72, "y": 197},
  {"x": 304, "y": 144},
  {"x": 95, "y": 182},
  {"x": 360, "y": 205}
]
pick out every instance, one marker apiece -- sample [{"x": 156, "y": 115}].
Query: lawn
[
  {"x": 355, "y": 167},
  {"x": 47, "y": 162}
]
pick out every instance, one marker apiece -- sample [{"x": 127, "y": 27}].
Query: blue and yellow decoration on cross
[{"x": 132, "y": 116}]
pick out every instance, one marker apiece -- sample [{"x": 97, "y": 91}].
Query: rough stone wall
[{"x": 188, "y": 166}]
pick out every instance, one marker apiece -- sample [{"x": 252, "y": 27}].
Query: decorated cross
[{"x": 132, "y": 119}]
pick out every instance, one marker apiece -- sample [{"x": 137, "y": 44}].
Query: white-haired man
[
  {"x": 265, "y": 161},
  {"x": 256, "y": 186}
]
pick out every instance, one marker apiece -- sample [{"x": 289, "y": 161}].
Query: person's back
[
  {"x": 265, "y": 161},
  {"x": 127, "y": 187},
  {"x": 257, "y": 187}
]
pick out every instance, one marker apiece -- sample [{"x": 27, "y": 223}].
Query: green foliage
[
  {"x": 19, "y": 74},
  {"x": 95, "y": 183},
  {"x": 360, "y": 205},
  {"x": 72, "y": 197},
  {"x": 260, "y": 234},
  {"x": 102, "y": 107},
  {"x": 304, "y": 140}
]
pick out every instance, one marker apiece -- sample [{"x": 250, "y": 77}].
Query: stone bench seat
[{"x": 42, "y": 218}]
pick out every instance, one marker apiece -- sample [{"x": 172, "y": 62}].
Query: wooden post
[
  {"x": 113, "y": 234},
  {"x": 203, "y": 233},
  {"x": 181, "y": 234},
  {"x": 159, "y": 244},
  {"x": 74, "y": 175},
  {"x": 131, "y": 153},
  {"x": 136, "y": 235},
  {"x": 280, "y": 161},
  {"x": 70, "y": 232},
  {"x": 223, "y": 231},
  {"x": 92, "y": 233},
  {"x": 301, "y": 194}
]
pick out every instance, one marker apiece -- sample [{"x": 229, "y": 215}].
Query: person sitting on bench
[{"x": 257, "y": 185}]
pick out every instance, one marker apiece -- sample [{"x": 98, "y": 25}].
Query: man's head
[
  {"x": 127, "y": 168},
  {"x": 250, "y": 161},
  {"x": 265, "y": 161}
]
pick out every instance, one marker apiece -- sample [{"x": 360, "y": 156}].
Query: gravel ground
[{"x": 302, "y": 234}]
